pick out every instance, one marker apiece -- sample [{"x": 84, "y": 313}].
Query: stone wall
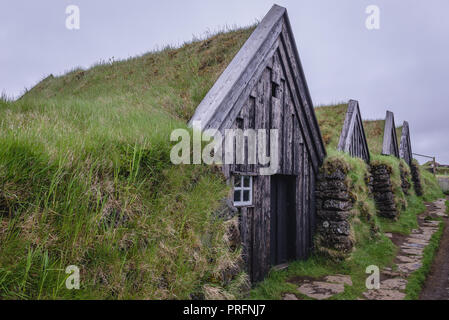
[
  {"x": 334, "y": 204},
  {"x": 416, "y": 178},
  {"x": 383, "y": 191},
  {"x": 405, "y": 178}
]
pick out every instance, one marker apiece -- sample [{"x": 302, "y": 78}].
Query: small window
[{"x": 243, "y": 191}]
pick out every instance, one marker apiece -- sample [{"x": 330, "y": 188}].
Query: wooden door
[{"x": 282, "y": 219}]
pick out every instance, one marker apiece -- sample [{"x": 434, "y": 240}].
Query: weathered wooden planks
[
  {"x": 245, "y": 217},
  {"x": 390, "y": 142},
  {"x": 266, "y": 109},
  {"x": 352, "y": 137},
  {"x": 229, "y": 86},
  {"x": 405, "y": 150}
]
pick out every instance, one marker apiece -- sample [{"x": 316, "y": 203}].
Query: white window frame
[{"x": 242, "y": 188}]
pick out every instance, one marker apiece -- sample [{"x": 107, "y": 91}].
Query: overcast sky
[{"x": 403, "y": 66}]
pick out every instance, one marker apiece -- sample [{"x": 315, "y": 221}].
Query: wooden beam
[
  {"x": 405, "y": 150},
  {"x": 390, "y": 142}
]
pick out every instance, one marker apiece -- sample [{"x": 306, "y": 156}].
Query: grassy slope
[
  {"x": 86, "y": 180},
  {"x": 371, "y": 246},
  {"x": 330, "y": 119}
]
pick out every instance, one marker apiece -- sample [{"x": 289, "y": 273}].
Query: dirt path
[{"x": 436, "y": 286}]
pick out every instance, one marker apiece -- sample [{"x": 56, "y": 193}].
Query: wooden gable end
[
  {"x": 390, "y": 142},
  {"x": 352, "y": 138},
  {"x": 405, "y": 150},
  {"x": 271, "y": 105},
  {"x": 264, "y": 84}
]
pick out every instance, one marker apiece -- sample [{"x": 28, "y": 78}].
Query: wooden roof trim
[{"x": 235, "y": 77}]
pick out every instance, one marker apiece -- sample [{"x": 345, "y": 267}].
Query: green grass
[
  {"x": 379, "y": 253},
  {"x": 432, "y": 190},
  {"x": 330, "y": 120},
  {"x": 407, "y": 220},
  {"x": 86, "y": 180}
]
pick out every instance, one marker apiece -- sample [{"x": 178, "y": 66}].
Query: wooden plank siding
[
  {"x": 264, "y": 88},
  {"x": 390, "y": 142},
  {"x": 405, "y": 150},
  {"x": 352, "y": 137},
  {"x": 276, "y": 112}
]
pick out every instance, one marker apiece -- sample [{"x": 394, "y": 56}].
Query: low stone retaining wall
[
  {"x": 416, "y": 178},
  {"x": 334, "y": 204},
  {"x": 383, "y": 191},
  {"x": 405, "y": 179}
]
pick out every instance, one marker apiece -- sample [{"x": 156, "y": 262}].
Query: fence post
[{"x": 434, "y": 167}]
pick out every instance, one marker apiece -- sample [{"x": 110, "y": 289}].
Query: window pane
[
  {"x": 246, "y": 181},
  {"x": 246, "y": 195},
  {"x": 237, "y": 196},
  {"x": 237, "y": 181}
]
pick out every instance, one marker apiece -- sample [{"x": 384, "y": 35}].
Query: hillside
[{"x": 86, "y": 180}]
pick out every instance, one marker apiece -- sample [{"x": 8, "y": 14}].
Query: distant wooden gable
[
  {"x": 390, "y": 143},
  {"x": 352, "y": 138},
  {"x": 405, "y": 150}
]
